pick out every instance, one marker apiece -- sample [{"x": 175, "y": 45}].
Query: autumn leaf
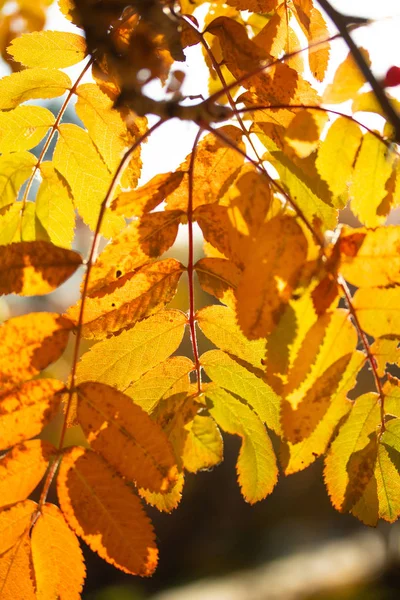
[
  {"x": 203, "y": 446},
  {"x": 48, "y": 49},
  {"x": 31, "y": 84},
  {"x": 14, "y": 522},
  {"x": 24, "y": 127},
  {"x": 101, "y": 508},
  {"x": 347, "y": 81},
  {"x": 14, "y": 171},
  {"x": 15, "y": 572}
]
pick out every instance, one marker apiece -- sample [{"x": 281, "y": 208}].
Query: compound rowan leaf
[
  {"x": 147, "y": 197},
  {"x": 30, "y": 84},
  {"x": 166, "y": 379},
  {"x": 215, "y": 168},
  {"x": 126, "y": 437},
  {"x": 256, "y": 465},
  {"x": 203, "y": 446},
  {"x": 378, "y": 310},
  {"x": 54, "y": 207},
  {"x": 24, "y": 127},
  {"x": 16, "y": 572},
  {"x": 336, "y": 156},
  {"x": 26, "y": 409},
  {"x": 29, "y": 344},
  {"x": 218, "y": 277},
  {"x": 372, "y": 171},
  {"x": 22, "y": 468},
  {"x": 56, "y": 556},
  {"x": 108, "y": 131},
  {"x": 77, "y": 159},
  {"x": 236, "y": 379},
  {"x": 14, "y": 170},
  {"x": 347, "y": 81},
  {"x": 346, "y": 480},
  {"x": 370, "y": 258},
  {"x": 102, "y": 509},
  {"x": 132, "y": 298},
  {"x": 271, "y": 272},
  {"x": 141, "y": 241},
  {"x": 218, "y": 323},
  {"x": 57, "y": 49},
  {"x": 35, "y": 268},
  {"x": 388, "y": 477},
  {"x": 14, "y": 522},
  {"x": 124, "y": 358}
]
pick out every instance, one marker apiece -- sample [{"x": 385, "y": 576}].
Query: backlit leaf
[
  {"x": 304, "y": 131},
  {"x": 15, "y": 572},
  {"x": 385, "y": 351},
  {"x": 234, "y": 378},
  {"x": 76, "y": 158},
  {"x": 203, "y": 446},
  {"x": 218, "y": 277},
  {"x": 48, "y": 49},
  {"x": 22, "y": 469},
  {"x": 126, "y": 437},
  {"x": 124, "y": 358},
  {"x": 24, "y": 127},
  {"x": 14, "y": 170},
  {"x": 26, "y": 409},
  {"x": 372, "y": 170},
  {"x": 54, "y": 208},
  {"x": 318, "y": 56},
  {"x": 14, "y": 522},
  {"x": 29, "y": 344},
  {"x": 30, "y": 84},
  {"x": 347, "y": 81},
  {"x": 101, "y": 508},
  {"x": 166, "y": 379},
  {"x": 378, "y": 310},
  {"x": 256, "y": 465},
  {"x": 165, "y": 501},
  {"x": 56, "y": 556},
  {"x": 35, "y": 268},
  {"x": 130, "y": 299}
]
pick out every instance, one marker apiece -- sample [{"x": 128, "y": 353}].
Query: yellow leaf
[
  {"x": 218, "y": 323},
  {"x": 14, "y": 170},
  {"x": 385, "y": 351},
  {"x": 101, "y": 508},
  {"x": 124, "y": 358},
  {"x": 57, "y": 49},
  {"x": 304, "y": 131},
  {"x": 347, "y": 81},
  {"x": 16, "y": 572},
  {"x": 165, "y": 501},
  {"x": 336, "y": 157},
  {"x": 29, "y": 344},
  {"x": 26, "y": 409},
  {"x": 378, "y": 310},
  {"x": 9, "y": 223},
  {"x": 30, "y": 84},
  {"x": 77, "y": 159},
  {"x": 130, "y": 299},
  {"x": 218, "y": 277},
  {"x": 353, "y": 438},
  {"x": 166, "y": 379},
  {"x": 256, "y": 465},
  {"x": 215, "y": 167},
  {"x": 141, "y": 241},
  {"x": 24, "y": 127},
  {"x": 204, "y": 446},
  {"x": 231, "y": 376},
  {"x": 370, "y": 258},
  {"x": 387, "y": 475},
  {"x": 14, "y": 522},
  {"x": 372, "y": 171},
  {"x": 54, "y": 208},
  {"x": 147, "y": 197},
  {"x": 296, "y": 457},
  {"x": 318, "y": 56},
  {"x": 22, "y": 469},
  {"x": 35, "y": 268},
  {"x": 367, "y": 102},
  {"x": 56, "y": 556},
  {"x": 108, "y": 131},
  {"x": 271, "y": 272},
  {"x": 126, "y": 437}
]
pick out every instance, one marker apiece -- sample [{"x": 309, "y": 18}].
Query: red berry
[{"x": 392, "y": 77}]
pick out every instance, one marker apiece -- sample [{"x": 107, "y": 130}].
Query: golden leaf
[
  {"x": 24, "y": 127},
  {"x": 14, "y": 522},
  {"x": 203, "y": 446},
  {"x": 15, "y": 572},
  {"x": 100, "y": 507},
  {"x": 31, "y": 84},
  {"x": 378, "y": 310},
  {"x": 347, "y": 81},
  {"x": 218, "y": 277},
  {"x": 14, "y": 170},
  {"x": 48, "y": 49}
]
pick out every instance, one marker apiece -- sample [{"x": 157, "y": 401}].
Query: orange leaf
[
  {"x": 165, "y": 501},
  {"x": 14, "y": 521},
  {"x": 16, "y": 572},
  {"x": 26, "y": 409},
  {"x": 35, "y": 268},
  {"x": 29, "y": 344},
  {"x": 219, "y": 277},
  {"x": 103, "y": 510},
  {"x": 21, "y": 470},
  {"x": 126, "y": 436},
  {"x": 56, "y": 556}
]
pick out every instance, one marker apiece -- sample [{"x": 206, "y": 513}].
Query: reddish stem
[{"x": 190, "y": 266}]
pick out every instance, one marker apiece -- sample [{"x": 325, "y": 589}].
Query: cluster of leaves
[{"x": 290, "y": 340}]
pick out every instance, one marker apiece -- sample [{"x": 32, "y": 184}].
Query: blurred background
[{"x": 293, "y": 545}]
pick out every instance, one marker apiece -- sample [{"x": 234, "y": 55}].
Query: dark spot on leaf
[{"x": 118, "y": 273}]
